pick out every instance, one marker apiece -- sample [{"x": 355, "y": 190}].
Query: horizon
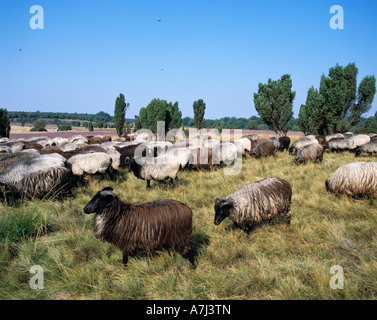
[{"x": 218, "y": 51}]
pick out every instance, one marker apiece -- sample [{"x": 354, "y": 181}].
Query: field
[{"x": 272, "y": 262}]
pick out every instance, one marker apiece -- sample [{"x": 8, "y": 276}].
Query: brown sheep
[
  {"x": 264, "y": 149},
  {"x": 98, "y": 139},
  {"x": 135, "y": 227}
]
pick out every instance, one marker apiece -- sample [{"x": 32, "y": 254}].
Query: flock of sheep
[{"x": 40, "y": 166}]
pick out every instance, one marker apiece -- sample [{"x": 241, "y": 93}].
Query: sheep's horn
[
  {"x": 107, "y": 193},
  {"x": 107, "y": 189}
]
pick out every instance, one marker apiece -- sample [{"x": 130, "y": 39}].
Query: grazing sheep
[
  {"x": 295, "y": 146},
  {"x": 157, "y": 169},
  {"x": 340, "y": 144},
  {"x": 224, "y": 153},
  {"x": 68, "y": 146},
  {"x": 182, "y": 144},
  {"x": 98, "y": 139},
  {"x": 276, "y": 142},
  {"x": 129, "y": 151},
  {"x": 284, "y": 143},
  {"x": 309, "y": 153},
  {"x": 9, "y": 159},
  {"x": 334, "y": 136},
  {"x": 86, "y": 149},
  {"x": 38, "y": 176},
  {"x": 264, "y": 149},
  {"x": 251, "y": 137},
  {"x": 183, "y": 155},
  {"x": 90, "y": 163},
  {"x": 32, "y": 145},
  {"x": 78, "y": 139},
  {"x": 245, "y": 145},
  {"x": 48, "y": 181},
  {"x": 201, "y": 157},
  {"x": 255, "y": 202},
  {"x": 5, "y": 149},
  {"x": 135, "y": 227},
  {"x": 369, "y": 148},
  {"x": 15, "y": 146},
  {"x": 322, "y": 141},
  {"x": 359, "y": 140},
  {"x": 354, "y": 179}
]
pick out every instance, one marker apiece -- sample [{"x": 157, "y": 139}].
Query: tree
[
  {"x": 39, "y": 125},
  {"x": 365, "y": 96},
  {"x": 343, "y": 105},
  {"x": 120, "y": 113},
  {"x": 252, "y": 125},
  {"x": 156, "y": 110},
  {"x": 175, "y": 116},
  {"x": 199, "y": 110},
  {"x": 4, "y": 123},
  {"x": 310, "y": 118},
  {"x": 90, "y": 127},
  {"x": 274, "y": 102}
]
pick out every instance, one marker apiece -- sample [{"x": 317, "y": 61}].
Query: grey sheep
[
  {"x": 309, "y": 153},
  {"x": 357, "y": 179},
  {"x": 369, "y": 148},
  {"x": 256, "y": 202},
  {"x": 298, "y": 144}
]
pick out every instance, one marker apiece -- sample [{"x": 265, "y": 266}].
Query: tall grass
[{"x": 272, "y": 262}]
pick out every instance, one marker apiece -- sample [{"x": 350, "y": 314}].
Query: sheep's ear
[{"x": 216, "y": 201}]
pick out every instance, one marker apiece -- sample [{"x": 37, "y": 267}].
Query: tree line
[{"x": 337, "y": 106}]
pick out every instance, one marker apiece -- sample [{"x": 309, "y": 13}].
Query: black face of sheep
[
  {"x": 99, "y": 201},
  {"x": 221, "y": 210}
]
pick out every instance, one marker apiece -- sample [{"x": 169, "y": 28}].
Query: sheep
[
  {"x": 311, "y": 152},
  {"x": 322, "y": 141},
  {"x": 32, "y": 145},
  {"x": 340, "y": 144},
  {"x": 369, "y": 148},
  {"x": 9, "y": 159},
  {"x": 183, "y": 155},
  {"x": 68, "y": 146},
  {"x": 264, "y": 149},
  {"x": 334, "y": 136},
  {"x": 15, "y": 146},
  {"x": 224, "y": 153},
  {"x": 357, "y": 179},
  {"x": 255, "y": 202},
  {"x": 182, "y": 144},
  {"x": 5, "y": 149},
  {"x": 276, "y": 142},
  {"x": 78, "y": 139},
  {"x": 301, "y": 142},
  {"x": 202, "y": 157},
  {"x": 129, "y": 151},
  {"x": 43, "y": 182},
  {"x": 37, "y": 177},
  {"x": 135, "y": 227},
  {"x": 84, "y": 150},
  {"x": 98, "y": 139},
  {"x": 251, "y": 137},
  {"x": 159, "y": 169},
  {"x": 245, "y": 145},
  {"x": 359, "y": 140},
  {"x": 284, "y": 143},
  {"x": 91, "y": 163}
]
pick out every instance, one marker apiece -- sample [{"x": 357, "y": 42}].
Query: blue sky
[{"x": 90, "y": 51}]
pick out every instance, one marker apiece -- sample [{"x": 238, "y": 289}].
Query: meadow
[{"x": 272, "y": 262}]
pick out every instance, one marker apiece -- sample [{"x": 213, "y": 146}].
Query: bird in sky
[{"x": 159, "y": 20}]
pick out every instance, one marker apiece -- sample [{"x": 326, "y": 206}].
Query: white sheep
[{"x": 90, "y": 163}]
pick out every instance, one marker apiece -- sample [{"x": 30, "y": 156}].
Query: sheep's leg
[
  {"x": 148, "y": 184},
  {"x": 172, "y": 182},
  {"x": 190, "y": 257},
  {"x": 288, "y": 216},
  {"x": 125, "y": 259}
]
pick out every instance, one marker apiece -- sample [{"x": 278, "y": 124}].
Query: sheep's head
[
  {"x": 222, "y": 210},
  {"x": 99, "y": 201}
]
